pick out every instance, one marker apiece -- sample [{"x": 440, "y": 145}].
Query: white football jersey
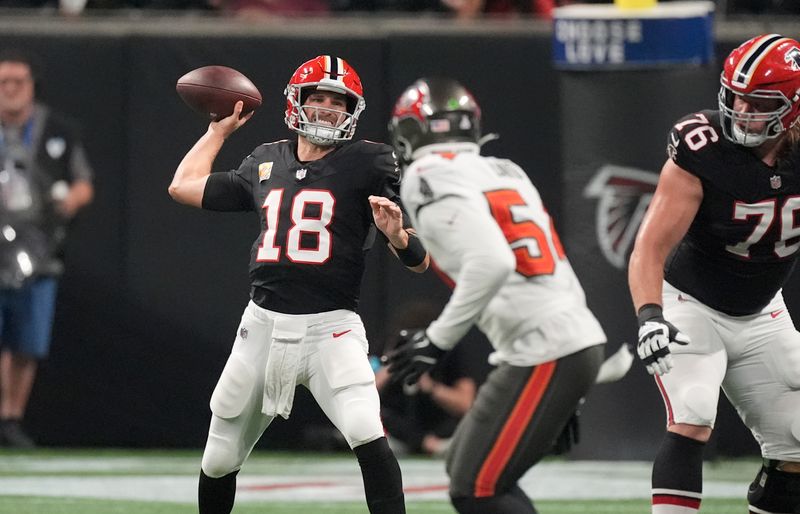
[{"x": 484, "y": 225}]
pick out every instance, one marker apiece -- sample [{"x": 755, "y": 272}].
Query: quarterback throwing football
[{"x": 319, "y": 201}]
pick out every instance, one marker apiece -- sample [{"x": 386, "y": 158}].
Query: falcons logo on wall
[{"x": 624, "y": 194}]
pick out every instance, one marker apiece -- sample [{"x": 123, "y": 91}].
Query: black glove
[
  {"x": 414, "y": 355},
  {"x": 570, "y": 435},
  {"x": 655, "y": 336}
]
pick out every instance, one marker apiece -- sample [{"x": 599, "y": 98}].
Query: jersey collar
[{"x": 446, "y": 148}]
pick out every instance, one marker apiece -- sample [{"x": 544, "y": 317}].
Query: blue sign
[{"x": 594, "y": 37}]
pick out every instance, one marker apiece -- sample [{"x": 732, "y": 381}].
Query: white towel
[{"x": 285, "y": 354}]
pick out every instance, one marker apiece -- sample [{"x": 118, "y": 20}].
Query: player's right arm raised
[{"x": 190, "y": 178}]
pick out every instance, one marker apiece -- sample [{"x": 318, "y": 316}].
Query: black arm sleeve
[{"x": 230, "y": 190}]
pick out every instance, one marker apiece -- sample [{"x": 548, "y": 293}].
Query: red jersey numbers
[
  {"x": 301, "y": 224},
  {"x": 765, "y": 213},
  {"x": 527, "y": 239},
  {"x": 698, "y": 137}
]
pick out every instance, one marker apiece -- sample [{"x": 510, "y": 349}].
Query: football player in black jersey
[
  {"x": 319, "y": 201},
  {"x": 713, "y": 252}
]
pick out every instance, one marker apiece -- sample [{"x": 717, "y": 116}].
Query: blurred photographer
[
  {"x": 45, "y": 179},
  {"x": 421, "y": 417}
]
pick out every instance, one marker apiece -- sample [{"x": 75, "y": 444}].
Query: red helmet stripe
[{"x": 750, "y": 61}]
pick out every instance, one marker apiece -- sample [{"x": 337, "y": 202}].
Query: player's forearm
[
  {"x": 645, "y": 277},
  {"x": 190, "y": 177}
]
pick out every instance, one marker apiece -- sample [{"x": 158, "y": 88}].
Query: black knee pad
[{"x": 775, "y": 492}]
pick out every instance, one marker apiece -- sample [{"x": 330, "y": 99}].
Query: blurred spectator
[
  {"x": 466, "y": 9},
  {"x": 461, "y": 9},
  {"x": 174, "y": 5},
  {"x": 779, "y": 7},
  {"x": 267, "y": 8},
  {"x": 18, "y": 4},
  {"x": 45, "y": 179}
]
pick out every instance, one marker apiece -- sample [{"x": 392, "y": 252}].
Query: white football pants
[
  {"x": 756, "y": 361},
  {"x": 272, "y": 353}
]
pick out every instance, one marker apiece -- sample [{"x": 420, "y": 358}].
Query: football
[{"x": 214, "y": 90}]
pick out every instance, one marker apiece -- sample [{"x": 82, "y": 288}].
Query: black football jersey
[
  {"x": 742, "y": 244},
  {"x": 316, "y": 221}
]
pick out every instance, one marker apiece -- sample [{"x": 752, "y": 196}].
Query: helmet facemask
[
  {"x": 309, "y": 121},
  {"x": 737, "y": 126}
]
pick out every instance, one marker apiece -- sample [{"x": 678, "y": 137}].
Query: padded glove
[
  {"x": 413, "y": 356},
  {"x": 655, "y": 336}
]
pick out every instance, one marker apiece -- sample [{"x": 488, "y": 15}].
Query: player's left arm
[
  {"x": 388, "y": 217},
  {"x": 388, "y": 212},
  {"x": 464, "y": 231}
]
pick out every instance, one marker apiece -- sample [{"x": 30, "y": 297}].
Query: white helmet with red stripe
[
  {"x": 323, "y": 73},
  {"x": 766, "y": 67}
]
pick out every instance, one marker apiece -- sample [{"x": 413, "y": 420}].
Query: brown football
[{"x": 214, "y": 90}]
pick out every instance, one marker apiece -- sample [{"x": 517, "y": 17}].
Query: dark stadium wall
[{"x": 154, "y": 290}]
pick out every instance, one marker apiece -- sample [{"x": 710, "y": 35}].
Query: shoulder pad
[
  {"x": 377, "y": 156},
  {"x": 273, "y": 148},
  {"x": 367, "y": 147},
  {"x": 696, "y": 142}
]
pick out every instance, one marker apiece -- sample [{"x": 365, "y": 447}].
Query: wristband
[
  {"x": 649, "y": 311},
  {"x": 413, "y": 254}
]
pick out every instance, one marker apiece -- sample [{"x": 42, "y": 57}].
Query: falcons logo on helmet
[
  {"x": 624, "y": 194},
  {"x": 792, "y": 57}
]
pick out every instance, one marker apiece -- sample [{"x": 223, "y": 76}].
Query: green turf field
[
  {"x": 26, "y": 505},
  {"x": 164, "y": 482}
]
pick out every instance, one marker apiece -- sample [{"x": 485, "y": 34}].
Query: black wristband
[
  {"x": 413, "y": 254},
  {"x": 649, "y": 311}
]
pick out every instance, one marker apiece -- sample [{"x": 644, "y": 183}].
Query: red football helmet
[
  {"x": 765, "y": 67},
  {"x": 324, "y": 73}
]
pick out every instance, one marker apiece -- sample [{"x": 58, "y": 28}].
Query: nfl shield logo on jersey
[
  {"x": 301, "y": 173},
  {"x": 264, "y": 171},
  {"x": 775, "y": 182}
]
